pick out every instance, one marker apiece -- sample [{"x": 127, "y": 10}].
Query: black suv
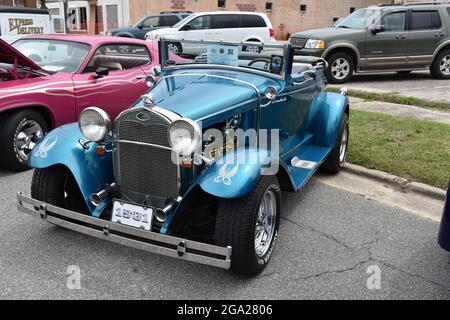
[
  {"x": 150, "y": 23},
  {"x": 397, "y": 38}
]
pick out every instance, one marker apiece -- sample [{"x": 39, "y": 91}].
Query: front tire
[
  {"x": 338, "y": 156},
  {"x": 175, "y": 47},
  {"x": 250, "y": 226},
  {"x": 341, "y": 68},
  {"x": 57, "y": 186},
  {"x": 440, "y": 69},
  {"x": 19, "y": 132}
]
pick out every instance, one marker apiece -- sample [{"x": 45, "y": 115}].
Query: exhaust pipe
[{"x": 97, "y": 198}]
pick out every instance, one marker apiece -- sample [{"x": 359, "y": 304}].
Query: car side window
[
  {"x": 394, "y": 21},
  {"x": 225, "y": 21},
  {"x": 167, "y": 21},
  {"x": 426, "y": 20},
  {"x": 116, "y": 57},
  {"x": 199, "y": 23},
  {"x": 151, "y": 22},
  {"x": 253, "y": 21}
]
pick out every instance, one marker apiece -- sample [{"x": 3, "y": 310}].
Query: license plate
[
  {"x": 132, "y": 215},
  {"x": 252, "y": 49}
]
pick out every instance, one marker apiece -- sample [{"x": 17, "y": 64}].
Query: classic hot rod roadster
[{"x": 195, "y": 169}]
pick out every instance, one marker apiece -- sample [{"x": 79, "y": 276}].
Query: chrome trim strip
[
  {"x": 119, "y": 233},
  {"x": 143, "y": 144}
]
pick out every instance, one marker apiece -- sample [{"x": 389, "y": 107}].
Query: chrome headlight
[
  {"x": 315, "y": 44},
  {"x": 94, "y": 124},
  {"x": 185, "y": 137}
]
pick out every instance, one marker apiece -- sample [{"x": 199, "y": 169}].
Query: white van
[
  {"x": 18, "y": 22},
  {"x": 217, "y": 26}
]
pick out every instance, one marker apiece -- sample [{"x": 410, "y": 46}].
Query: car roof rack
[
  {"x": 163, "y": 12},
  {"x": 411, "y": 4}
]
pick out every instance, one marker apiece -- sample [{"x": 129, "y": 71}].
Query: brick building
[
  {"x": 287, "y": 16},
  {"x": 21, "y": 3}
]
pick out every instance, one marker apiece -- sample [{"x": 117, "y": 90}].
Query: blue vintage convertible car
[
  {"x": 444, "y": 232},
  {"x": 195, "y": 168}
]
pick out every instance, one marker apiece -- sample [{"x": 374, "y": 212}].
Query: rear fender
[
  {"x": 328, "y": 118},
  {"x": 62, "y": 147}
]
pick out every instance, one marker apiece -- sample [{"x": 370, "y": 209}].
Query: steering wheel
[{"x": 267, "y": 61}]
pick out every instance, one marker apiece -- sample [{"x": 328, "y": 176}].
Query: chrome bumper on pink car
[{"x": 132, "y": 237}]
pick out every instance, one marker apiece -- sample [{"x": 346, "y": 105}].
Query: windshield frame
[
  {"x": 368, "y": 24},
  {"x": 287, "y": 59},
  {"x": 183, "y": 21},
  {"x": 80, "y": 66}
]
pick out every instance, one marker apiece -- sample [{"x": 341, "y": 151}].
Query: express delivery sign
[{"x": 15, "y": 26}]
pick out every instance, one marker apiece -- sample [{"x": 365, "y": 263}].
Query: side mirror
[
  {"x": 379, "y": 29},
  {"x": 186, "y": 28},
  {"x": 141, "y": 26},
  {"x": 150, "y": 81},
  {"x": 101, "y": 72},
  {"x": 156, "y": 71}
]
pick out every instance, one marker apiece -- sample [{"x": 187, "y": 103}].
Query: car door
[
  {"x": 197, "y": 29},
  {"x": 427, "y": 33},
  {"x": 386, "y": 45},
  {"x": 290, "y": 110},
  {"x": 226, "y": 27},
  {"x": 124, "y": 84}
]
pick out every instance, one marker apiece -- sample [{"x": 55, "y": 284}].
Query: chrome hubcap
[
  {"x": 28, "y": 133},
  {"x": 265, "y": 223},
  {"x": 344, "y": 143},
  {"x": 340, "y": 68},
  {"x": 173, "y": 48},
  {"x": 445, "y": 65}
]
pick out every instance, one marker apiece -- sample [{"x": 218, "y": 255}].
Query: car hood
[
  {"x": 164, "y": 31},
  {"x": 10, "y": 55},
  {"x": 326, "y": 33},
  {"x": 210, "y": 95}
]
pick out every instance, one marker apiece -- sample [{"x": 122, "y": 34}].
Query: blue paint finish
[
  {"x": 444, "y": 232},
  {"x": 91, "y": 171},
  {"x": 328, "y": 118},
  {"x": 230, "y": 179}
]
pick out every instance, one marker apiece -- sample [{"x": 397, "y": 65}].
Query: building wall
[
  {"x": 285, "y": 14},
  {"x": 22, "y": 3}
]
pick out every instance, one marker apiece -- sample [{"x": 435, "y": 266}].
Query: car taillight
[{"x": 272, "y": 32}]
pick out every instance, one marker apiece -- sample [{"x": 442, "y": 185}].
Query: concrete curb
[{"x": 397, "y": 182}]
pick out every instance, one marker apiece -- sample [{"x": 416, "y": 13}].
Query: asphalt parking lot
[
  {"x": 329, "y": 240},
  {"x": 417, "y": 84}
]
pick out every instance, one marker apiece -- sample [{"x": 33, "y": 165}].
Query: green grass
[
  {"x": 413, "y": 149},
  {"x": 394, "y": 97}
]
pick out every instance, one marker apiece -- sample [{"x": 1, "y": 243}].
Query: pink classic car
[{"x": 46, "y": 81}]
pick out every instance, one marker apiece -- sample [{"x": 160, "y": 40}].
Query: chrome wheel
[
  {"x": 173, "y": 47},
  {"x": 344, "y": 144},
  {"x": 265, "y": 223},
  {"x": 340, "y": 68},
  {"x": 445, "y": 65},
  {"x": 27, "y": 134}
]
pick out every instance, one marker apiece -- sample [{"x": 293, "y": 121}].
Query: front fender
[
  {"x": 236, "y": 174},
  {"x": 328, "y": 119},
  {"x": 62, "y": 147}
]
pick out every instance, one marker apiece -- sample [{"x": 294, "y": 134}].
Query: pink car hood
[{"x": 10, "y": 55}]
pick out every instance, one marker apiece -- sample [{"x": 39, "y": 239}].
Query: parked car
[
  {"x": 216, "y": 26},
  {"x": 47, "y": 80},
  {"x": 195, "y": 169},
  {"x": 18, "y": 22},
  {"x": 444, "y": 232},
  {"x": 149, "y": 23},
  {"x": 398, "y": 38}
]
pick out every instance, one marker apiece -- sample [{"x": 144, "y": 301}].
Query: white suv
[{"x": 217, "y": 26}]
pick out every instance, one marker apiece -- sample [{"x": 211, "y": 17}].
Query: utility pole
[{"x": 65, "y": 5}]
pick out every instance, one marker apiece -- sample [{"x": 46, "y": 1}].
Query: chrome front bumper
[{"x": 140, "y": 239}]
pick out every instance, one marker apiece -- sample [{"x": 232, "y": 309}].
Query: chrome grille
[
  {"x": 298, "y": 43},
  {"x": 143, "y": 160}
]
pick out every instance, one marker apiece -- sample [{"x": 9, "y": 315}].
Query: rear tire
[
  {"x": 243, "y": 225},
  {"x": 440, "y": 69},
  {"x": 19, "y": 132},
  {"x": 57, "y": 186},
  {"x": 338, "y": 156},
  {"x": 341, "y": 68}
]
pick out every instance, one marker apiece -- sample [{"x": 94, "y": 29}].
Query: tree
[{"x": 42, "y": 4}]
